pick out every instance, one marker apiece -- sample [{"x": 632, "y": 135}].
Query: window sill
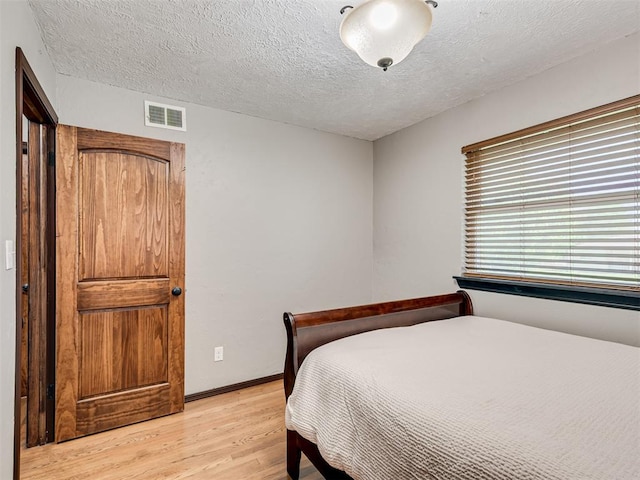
[{"x": 604, "y": 297}]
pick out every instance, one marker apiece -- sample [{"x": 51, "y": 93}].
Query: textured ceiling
[{"x": 283, "y": 59}]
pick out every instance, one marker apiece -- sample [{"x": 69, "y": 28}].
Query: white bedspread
[{"x": 485, "y": 399}]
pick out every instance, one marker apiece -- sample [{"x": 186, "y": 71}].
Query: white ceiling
[{"x": 283, "y": 59}]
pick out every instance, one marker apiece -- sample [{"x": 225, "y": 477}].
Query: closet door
[{"x": 120, "y": 262}]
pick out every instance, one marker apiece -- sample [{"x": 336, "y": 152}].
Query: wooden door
[
  {"x": 24, "y": 272},
  {"x": 120, "y": 261},
  {"x": 35, "y": 264}
]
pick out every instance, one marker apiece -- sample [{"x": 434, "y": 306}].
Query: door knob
[
  {"x": 25, "y": 288},
  {"x": 176, "y": 291}
]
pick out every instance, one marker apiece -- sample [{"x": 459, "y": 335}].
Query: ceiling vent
[{"x": 165, "y": 116}]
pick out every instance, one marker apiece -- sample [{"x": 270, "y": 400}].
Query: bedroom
[{"x": 317, "y": 202}]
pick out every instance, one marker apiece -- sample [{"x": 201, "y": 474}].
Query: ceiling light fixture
[{"x": 383, "y": 32}]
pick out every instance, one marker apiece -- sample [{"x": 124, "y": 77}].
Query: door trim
[{"x": 32, "y": 102}]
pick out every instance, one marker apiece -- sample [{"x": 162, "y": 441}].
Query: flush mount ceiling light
[{"x": 383, "y": 32}]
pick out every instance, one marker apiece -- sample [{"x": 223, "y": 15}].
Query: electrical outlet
[{"x": 218, "y": 354}]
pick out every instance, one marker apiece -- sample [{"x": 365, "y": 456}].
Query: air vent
[{"x": 165, "y": 116}]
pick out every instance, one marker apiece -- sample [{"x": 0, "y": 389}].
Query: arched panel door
[{"x": 120, "y": 263}]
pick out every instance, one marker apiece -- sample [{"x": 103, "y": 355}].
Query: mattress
[{"x": 471, "y": 398}]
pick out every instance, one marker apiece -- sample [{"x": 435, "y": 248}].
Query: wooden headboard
[{"x": 306, "y": 331}]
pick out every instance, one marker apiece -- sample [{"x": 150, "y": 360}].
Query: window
[{"x": 558, "y": 205}]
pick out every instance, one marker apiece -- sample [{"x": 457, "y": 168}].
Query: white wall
[
  {"x": 278, "y": 218},
  {"x": 418, "y": 185},
  {"x": 17, "y": 28}
]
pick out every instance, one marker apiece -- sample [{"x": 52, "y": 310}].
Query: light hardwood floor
[{"x": 235, "y": 436}]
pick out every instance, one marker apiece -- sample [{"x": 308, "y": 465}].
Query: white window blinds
[{"x": 559, "y": 202}]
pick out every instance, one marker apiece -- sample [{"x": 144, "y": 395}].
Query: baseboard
[{"x": 192, "y": 397}]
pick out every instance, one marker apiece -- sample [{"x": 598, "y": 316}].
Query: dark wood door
[
  {"x": 35, "y": 263},
  {"x": 120, "y": 254},
  {"x": 24, "y": 272}
]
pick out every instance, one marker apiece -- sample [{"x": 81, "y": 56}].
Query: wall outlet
[{"x": 218, "y": 354}]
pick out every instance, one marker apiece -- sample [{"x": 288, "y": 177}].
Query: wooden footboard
[{"x": 307, "y": 331}]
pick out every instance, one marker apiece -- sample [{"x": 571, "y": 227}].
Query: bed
[{"x": 424, "y": 389}]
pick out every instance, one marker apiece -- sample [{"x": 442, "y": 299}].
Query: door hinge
[
  {"x": 52, "y": 158},
  {"x": 51, "y": 390}
]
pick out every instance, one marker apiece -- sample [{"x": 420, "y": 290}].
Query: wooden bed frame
[{"x": 306, "y": 331}]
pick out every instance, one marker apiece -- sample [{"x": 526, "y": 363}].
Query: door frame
[{"x": 32, "y": 102}]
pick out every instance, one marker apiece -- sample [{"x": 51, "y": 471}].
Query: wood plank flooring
[{"x": 235, "y": 436}]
